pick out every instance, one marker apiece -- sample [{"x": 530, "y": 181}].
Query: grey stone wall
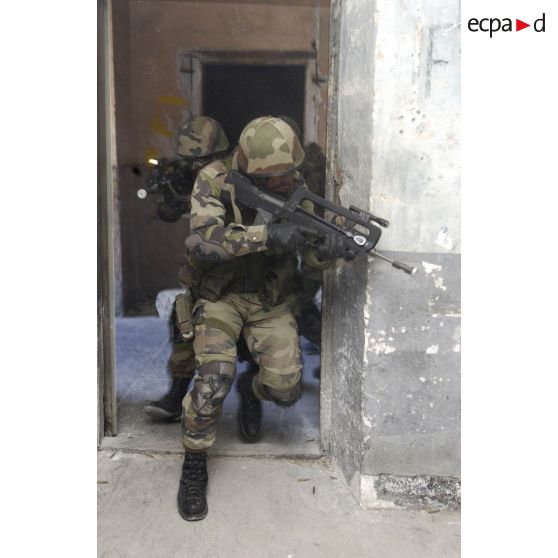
[
  {"x": 411, "y": 385},
  {"x": 394, "y": 346}
]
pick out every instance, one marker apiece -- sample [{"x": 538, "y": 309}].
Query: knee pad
[
  {"x": 285, "y": 398},
  {"x": 212, "y": 386}
]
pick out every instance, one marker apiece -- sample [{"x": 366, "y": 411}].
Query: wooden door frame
[
  {"x": 106, "y": 162},
  {"x": 190, "y": 63}
]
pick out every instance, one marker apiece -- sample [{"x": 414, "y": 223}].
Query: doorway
[
  {"x": 159, "y": 82},
  {"x": 235, "y": 94}
]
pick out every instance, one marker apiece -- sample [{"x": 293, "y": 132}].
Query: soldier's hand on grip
[
  {"x": 286, "y": 237},
  {"x": 333, "y": 247}
]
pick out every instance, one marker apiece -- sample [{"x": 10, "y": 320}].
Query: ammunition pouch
[{"x": 184, "y": 305}]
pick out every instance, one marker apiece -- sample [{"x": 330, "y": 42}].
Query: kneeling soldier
[
  {"x": 243, "y": 276},
  {"x": 200, "y": 141}
]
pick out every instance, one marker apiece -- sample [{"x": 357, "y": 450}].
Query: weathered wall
[
  {"x": 150, "y": 104},
  {"x": 396, "y": 138},
  {"x": 350, "y": 160}
]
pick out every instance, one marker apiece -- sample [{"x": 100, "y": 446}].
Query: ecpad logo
[{"x": 493, "y": 25}]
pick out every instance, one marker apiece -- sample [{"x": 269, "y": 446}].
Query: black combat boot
[
  {"x": 250, "y": 412},
  {"x": 169, "y": 407},
  {"x": 192, "y": 505}
]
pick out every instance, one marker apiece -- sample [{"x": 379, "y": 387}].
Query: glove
[
  {"x": 333, "y": 247},
  {"x": 286, "y": 237}
]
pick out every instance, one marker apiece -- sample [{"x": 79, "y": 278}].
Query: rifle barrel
[{"x": 411, "y": 270}]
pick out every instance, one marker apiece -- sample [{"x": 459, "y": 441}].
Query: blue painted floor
[{"x": 142, "y": 352}]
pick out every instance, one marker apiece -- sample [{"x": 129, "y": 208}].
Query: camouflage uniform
[
  {"x": 198, "y": 141},
  {"x": 241, "y": 286},
  {"x": 182, "y": 360}
]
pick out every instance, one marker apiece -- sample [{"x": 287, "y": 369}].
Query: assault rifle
[
  {"x": 173, "y": 180},
  {"x": 360, "y": 227}
]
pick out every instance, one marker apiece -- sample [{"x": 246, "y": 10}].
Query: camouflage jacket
[{"x": 235, "y": 252}]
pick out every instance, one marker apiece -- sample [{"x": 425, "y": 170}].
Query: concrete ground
[
  {"x": 258, "y": 507},
  {"x": 266, "y": 500}
]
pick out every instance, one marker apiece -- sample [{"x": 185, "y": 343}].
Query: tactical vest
[{"x": 272, "y": 277}]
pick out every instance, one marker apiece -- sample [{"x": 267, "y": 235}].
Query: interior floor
[{"x": 142, "y": 352}]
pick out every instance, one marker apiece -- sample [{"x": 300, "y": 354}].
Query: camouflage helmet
[
  {"x": 268, "y": 146},
  {"x": 201, "y": 136},
  {"x": 292, "y": 123}
]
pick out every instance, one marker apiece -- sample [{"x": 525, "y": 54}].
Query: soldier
[
  {"x": 243, "y": 276},
  {"x": 200, "y": 141}
]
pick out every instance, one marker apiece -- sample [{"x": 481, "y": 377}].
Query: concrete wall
[
  {"x": 395, "y": 135},
  {"x": 151, "y": 104}
]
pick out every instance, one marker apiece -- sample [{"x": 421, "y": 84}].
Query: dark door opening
[{"x": 234, "y": 94}]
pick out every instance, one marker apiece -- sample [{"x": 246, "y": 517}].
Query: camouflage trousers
[
  {"x": 271, "y": 336},
  {"x": 181, "y": 361}
]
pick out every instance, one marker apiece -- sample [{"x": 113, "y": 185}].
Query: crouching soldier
[
  {"x": 243, "y": 276},
  {"x": 200, "y": 141}
]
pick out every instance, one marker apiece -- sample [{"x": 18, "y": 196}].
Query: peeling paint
[
  {"x": 412, "y": 172},
  {"x": 444, "y": 239},
  {"x": 429, "y": 267},
  {"x": 367, "y": 340},
  {"x": 432, "y": 350},
  {"x": 439, "y": 283},
  {"x": 382, "y": 348}
]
